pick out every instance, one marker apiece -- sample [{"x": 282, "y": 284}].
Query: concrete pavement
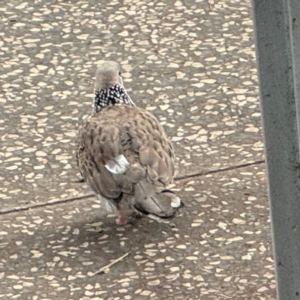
[{"x": 192, "y": 64}]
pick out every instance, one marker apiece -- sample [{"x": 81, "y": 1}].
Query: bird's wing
[
  {"x": 155, "y": 151},
  {"x": 143, "y": 136},
  {"x": 98, "y": 154}
]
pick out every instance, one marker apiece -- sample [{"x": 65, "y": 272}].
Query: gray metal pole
[{"x": 277, "y": 35}]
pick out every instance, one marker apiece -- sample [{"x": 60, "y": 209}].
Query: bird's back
[{"x": 134, "y": 133}]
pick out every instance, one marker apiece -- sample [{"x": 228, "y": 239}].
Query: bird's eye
[{"x": 120, "y": 73}]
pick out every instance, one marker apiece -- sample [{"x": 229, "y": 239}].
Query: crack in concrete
[
  {"x": 90, "y": 195},
  {"x": 50, "y": 203}
]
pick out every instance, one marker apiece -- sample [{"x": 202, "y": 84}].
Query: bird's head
[
  {"x": 109, "y": 89},
  {"x": 108, "y": 74}
]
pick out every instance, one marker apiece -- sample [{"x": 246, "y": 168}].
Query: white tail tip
[{"x": 175, "y": 202}]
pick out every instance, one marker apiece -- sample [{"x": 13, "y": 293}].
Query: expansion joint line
[{"x": 81, "y": 197}]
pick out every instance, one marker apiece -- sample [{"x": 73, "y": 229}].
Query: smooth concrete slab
[{"x": 278, "y": 53}]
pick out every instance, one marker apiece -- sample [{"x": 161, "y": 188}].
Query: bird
[{"x": 124, "y": 154}]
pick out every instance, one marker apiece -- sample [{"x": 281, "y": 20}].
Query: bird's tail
[{"x": 163, "y": 203}]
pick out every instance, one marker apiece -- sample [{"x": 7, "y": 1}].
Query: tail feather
[{"x": 161, "y": 203}]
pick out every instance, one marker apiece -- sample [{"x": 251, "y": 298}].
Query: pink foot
[{"x": 121, "y": 220}]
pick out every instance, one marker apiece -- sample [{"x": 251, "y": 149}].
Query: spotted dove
[{"x": 124, "y": 154}]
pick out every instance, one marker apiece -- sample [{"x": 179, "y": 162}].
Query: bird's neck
[{"x": 108, "y": 97}]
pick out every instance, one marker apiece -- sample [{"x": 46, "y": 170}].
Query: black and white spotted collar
[{"x": 114, "y": 95}]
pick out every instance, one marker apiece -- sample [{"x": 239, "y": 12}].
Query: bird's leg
[
  {"x": 122, "y": 204},
  {"x": 121, "y": 219},
  {"x": 127, "y": 214}
]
